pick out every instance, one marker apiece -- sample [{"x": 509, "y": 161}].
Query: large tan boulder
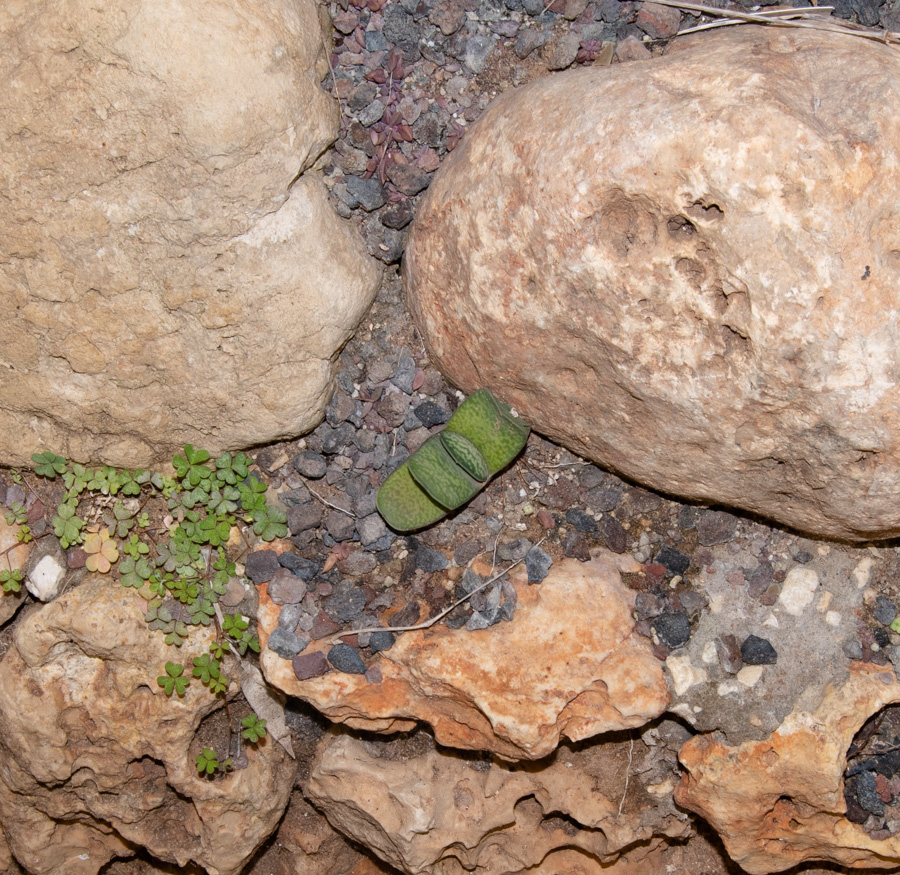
[
  {"x": 780, "y": 802},
  {"x": 427, "y": 810},
  {"x": 569, "y": 665},
  {"x": 95, "y": 760},
  {"x": 163, "y": 277},
  {"x": 687, "y": 271}
]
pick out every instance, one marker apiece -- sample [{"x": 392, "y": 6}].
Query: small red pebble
[
  {"x": 654, "y": 571},
  {"x": 545, "y": 519},
  {"x": 883, "y": 788},
  {"x": 418, "y": 379}
]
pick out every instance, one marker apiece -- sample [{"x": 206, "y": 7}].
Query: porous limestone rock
[
  {"x": 780, "y": 802},
  {"x": 569, "y": 665},
  {"x": 15, "y": 556},
  {"x": 95, "y": 760},
  {"x": 429, "y": 810},
  {"x": 165, "y": 277},
  {"x": 692, "y": 279}
]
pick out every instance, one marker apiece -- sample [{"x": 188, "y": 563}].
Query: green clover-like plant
[
  {"x": 48, "y": 464},
  {"x": 120, "y": 521},
  {"x": 67, "y": 526},
  {"x": 254, "y": 729},
  {"x": 11, "y": 581},
  {"x": 134, "y": 572},
  {"x": 232, "y": 469},
  {"x": 253, "y": 495},
  {"x": 270, "y": 523},
  {"x": 452, "y": 467},
  {"x": 208, "y": 763},
  {"x": 190, "y": 467},
  {"x": 16, "y": 515},
  {"x": 135, "y": 548},
  {"x": 101, "y": 551},
  {"x": 172, "y": 681}
]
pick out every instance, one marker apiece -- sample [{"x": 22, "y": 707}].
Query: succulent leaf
[
  {"x": 404, "y": 504},
  {"x": 436, "y": 471},
  {"x": 490, "y": 426},
  {"x": 449, "y": 469},
  {"x": 465, "y": 454}
]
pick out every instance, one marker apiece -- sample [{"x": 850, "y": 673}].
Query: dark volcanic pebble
[
  {"x": 672, "y": 629},
  {"x": 429, "y": 560},
  {"x": 397, "y": 215},
  {"x": 369, "y": 192},
  {"x": 758, "y": 651},
  {"x": 675, "y": 561},
  {"x": 346, "y": 603},
  {"x": 408, "y": 616},
  {"x": 603, "y": 499},
  {"x": 575, "y": 547},
  {"x": 885, "y": 612},
  {"x": 867, "y": 793},
  {"x": 340, "y": 526},
  {"x": 381, "y": 641},
  {"x": 346, "y": 659},
  {"x": 261, "y": 565},
  {"x": 430, "y": 414},
  {"x": 716, "y": 527},
  {"x": 286, "y": 644},
  {"x": 310, "y": 665},
  {"x": 304, "y": 516},
  {"x": 613, "y": 534},
  {"x": 582, "y": 521},
  {"x": 310, "y": 464},
  {"x": 514, "y": 551},
  {"x": 466, "y": 552},
  {"x": 305, "y": 568}
]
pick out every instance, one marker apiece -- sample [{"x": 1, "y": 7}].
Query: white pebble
[
  {"x": 798, "y": 590},
  {"x": 45, "y": 579},
  {"x": 684, "y": 674},
  {"x": 749, "y": 675}
]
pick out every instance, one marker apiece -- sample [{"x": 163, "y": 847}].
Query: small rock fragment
[
  {"x": 346, "y": 659},
  {"x": 884, "y": 612},
  {"x": 537, "y": 564},
  {"x": 429, "y": 560},
  {"x": 716, "y": 527},
  {"x": 582, "y": 521},
  {"x": 672, "y": 629},
  {"x": 261, "y": 565},
  {"x": 674, "y": 561},
  {"x": 286, "y": 588},
  {"x": 310, "y": 665},
  {"x": 45, "y": 571},
  {"x": 798, "y": 590},
  {"x": 286, "y": 644},
  {"x": 381, "y": 641},
  {"x": 758, "y": 651},
  {"x": 310, "y": 464},
  {"x": 729, "y": 652},
  {"x": 613, "y": 534}
]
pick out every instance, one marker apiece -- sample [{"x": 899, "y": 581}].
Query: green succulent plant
[{"x": 452, "y": 467}]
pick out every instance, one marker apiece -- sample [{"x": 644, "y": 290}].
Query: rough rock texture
[
  {"x": 750, "y": 702},
  {"x": 569, "y": 665},
  {"x": 434, "y": 812},
  {"x": 15, "y": 557},
  {"x": 780, "y": 802},
  {"x": 163, "y": 282},
  {"x": 693, "y": 279},
  {"x": 95, "y": 758}
]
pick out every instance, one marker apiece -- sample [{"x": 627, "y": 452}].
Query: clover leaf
[
  {"x": 172, "y": 680},
  {"x": 48, "y": 464},
  {"x": 254, "y": 728}
]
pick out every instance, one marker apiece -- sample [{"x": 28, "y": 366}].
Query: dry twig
[
  {"x": 431, "y": 621},
  {"x": 803, "y": 16}
]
